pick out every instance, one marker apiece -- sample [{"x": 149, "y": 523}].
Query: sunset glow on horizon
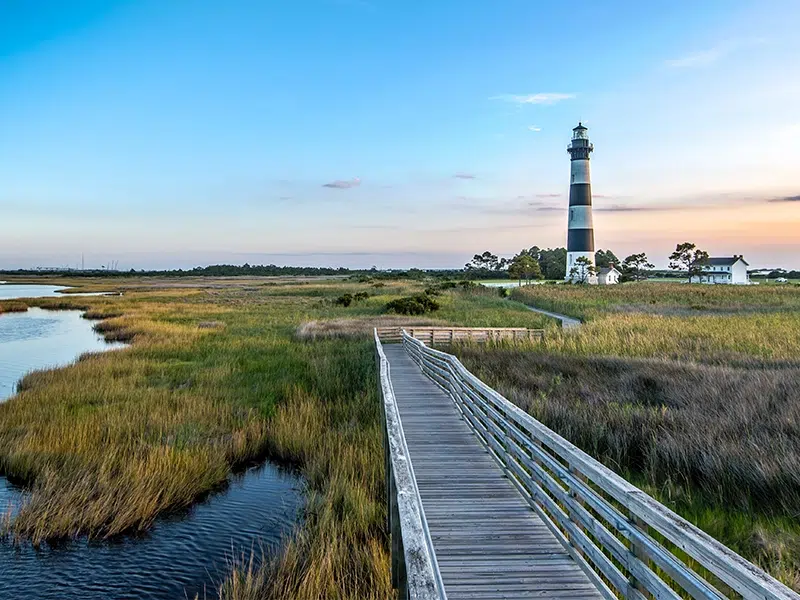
[{"x": 393, "y": 134}]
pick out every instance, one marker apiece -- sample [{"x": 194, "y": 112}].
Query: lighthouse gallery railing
[{"x": 630, "y": 545}]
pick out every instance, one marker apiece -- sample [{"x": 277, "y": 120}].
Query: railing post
[{"x": 638, "y": 552}]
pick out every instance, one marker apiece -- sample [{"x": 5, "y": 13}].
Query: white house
[
  {"x": 608, "y": 275},
  {"x": 725, "y": 269}
]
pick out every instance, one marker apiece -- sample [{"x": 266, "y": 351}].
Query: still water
[
  {"x": 9, "y": 291},
  {"x": 183, "y": 554},
  {"x": 39, "y": 339}
]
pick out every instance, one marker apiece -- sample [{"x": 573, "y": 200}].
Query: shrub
[
  {"x": 413, "y": 305},
  {"x": 344, "y": 300},
  {"x": 360, "y": 296}
]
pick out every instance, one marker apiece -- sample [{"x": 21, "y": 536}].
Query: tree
[
  {"x": 553, "y": 261},
  {"x": 486, "y": 264},
  {"x": 524, "y": 266},
  {"x": 605, "y": 258},
  {"x": 689, "y": 258},
  {"x": 582, "y": 271},
  {"x": 634, "y": 266}
]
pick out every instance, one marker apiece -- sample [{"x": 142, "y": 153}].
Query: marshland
[
  {"x": 690, "y": 391},
  {"x": 219, "y": 375}
]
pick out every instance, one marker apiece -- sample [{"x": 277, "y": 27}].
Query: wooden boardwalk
[{"x": 488, "y": 542}]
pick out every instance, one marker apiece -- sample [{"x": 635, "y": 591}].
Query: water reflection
[
  {"x": 182, "y": 555},
  {"x": 39, "y": 339},
  {"x": 10, "y": 291}
]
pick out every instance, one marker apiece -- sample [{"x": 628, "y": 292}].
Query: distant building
[
  {"x": 725, "y": 269},
  {"x": 608, "y": 275}
]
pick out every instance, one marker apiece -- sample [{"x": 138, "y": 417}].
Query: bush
[
  {"x": 347, "y": 299},
  {"x": 344, "y": 300},
  {"x": 413, "y": 305}
]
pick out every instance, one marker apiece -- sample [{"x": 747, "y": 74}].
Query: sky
[{"x": 394, "y": 133}]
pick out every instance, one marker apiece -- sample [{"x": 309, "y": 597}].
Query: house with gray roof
[{"x": 725, "y": 269}]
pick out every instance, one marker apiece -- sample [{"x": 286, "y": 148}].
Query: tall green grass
[
  {"x": 590, "y": 302},
  {"x": 216, "y": 377},
  {"x": 692, "y": 392}
]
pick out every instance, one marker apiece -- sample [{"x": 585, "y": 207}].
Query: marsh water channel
[{"x": 184, "y": 554}]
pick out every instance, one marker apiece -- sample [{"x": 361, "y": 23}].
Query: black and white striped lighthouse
[{"x": 580, "y": 232}]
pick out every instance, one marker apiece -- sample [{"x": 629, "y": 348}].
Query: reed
[
  {"x": 689, "y": 391},
  {"x": 216, "y": 377}
]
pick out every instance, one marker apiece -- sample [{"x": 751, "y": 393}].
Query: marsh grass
[
  {"x": 589, "y": 302},
  {"x": 691, "y": 392},
  {"x": 10, "y": 306},
  {"x": 107, "y": 445}
]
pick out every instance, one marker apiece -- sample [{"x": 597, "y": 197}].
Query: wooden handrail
[
  {"x": 433, "y": 335},
  {"x": 415, "y": 572},
  {"x": 630, "y": 545}
]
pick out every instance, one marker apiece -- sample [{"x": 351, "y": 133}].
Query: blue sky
[{"x": 396, "y": 133}]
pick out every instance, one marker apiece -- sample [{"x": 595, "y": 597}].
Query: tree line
[{"x": 536, "y": 263}]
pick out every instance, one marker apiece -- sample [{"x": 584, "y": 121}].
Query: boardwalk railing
[
  {"x": 628, "y": 544},
  {"x": 446, "y": 335},
  {"x": 415, "y": 573}
]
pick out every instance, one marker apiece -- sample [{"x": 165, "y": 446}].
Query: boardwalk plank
[{"x": 488, "y": 542}]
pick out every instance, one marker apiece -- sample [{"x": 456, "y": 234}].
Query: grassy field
[
  {"x": 219, "y": 375},
  {"x": 692, "y": 392}
]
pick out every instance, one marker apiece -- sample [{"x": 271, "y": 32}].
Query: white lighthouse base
[{"x": 571, "y": 258}]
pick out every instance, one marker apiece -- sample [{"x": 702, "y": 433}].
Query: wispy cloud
[
  {"x": 703, "y": 58},
  {"x": 618, "y": 208},
  {"x": 341, "y": 184},
  {"x": 785, "y": 199},
  {"x": 548, "y": 195},
  {"x": 709, "y": 56},
  {"x": 534, "y": 128},
  {"x": 464, "y": 176},
  {"x": 540, "y": 98}
]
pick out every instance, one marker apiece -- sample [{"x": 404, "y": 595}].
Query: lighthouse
[{"x": 580, "y": 232}]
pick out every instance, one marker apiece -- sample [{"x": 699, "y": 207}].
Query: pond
[
  {"x": 185, "y": 553},
  {"x": 182, "y": 555},
  {"x": 10, "y": 291},
  {"x": 40, "y": 339}
]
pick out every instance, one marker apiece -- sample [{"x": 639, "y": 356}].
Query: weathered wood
[
  {"x": 578, "y": 496},
  {"x": 434, "y": 335},
  {"x": 488, "y": 541},
  {"x": 415, "y": 573}
]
